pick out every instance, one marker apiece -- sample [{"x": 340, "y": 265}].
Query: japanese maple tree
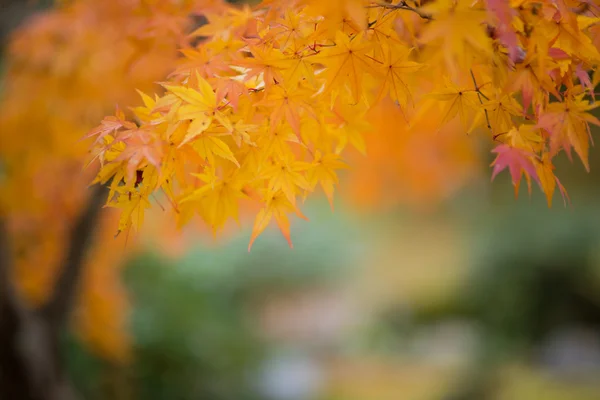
[{"x": 269, "y": 101}]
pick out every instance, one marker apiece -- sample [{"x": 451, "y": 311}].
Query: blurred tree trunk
[
  {"x": 12, "y": 12},
  {"x": 31, "y": 367}
]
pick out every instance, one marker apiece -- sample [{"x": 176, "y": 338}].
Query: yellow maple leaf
[
  {"x": 346, "y": 64},
  {"x": 458, "y": 101},
  {"x": 209, "y": 146},
  {"x": 567, "y": 122},
  {"x": 276, "y": 206},
  {"x": 217, "y": 200},
  {"x": 396, "y": 69},
  {"x": 323, "y": 172},
  {"x": 457, "y": 27}
]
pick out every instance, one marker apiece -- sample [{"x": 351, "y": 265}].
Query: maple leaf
[
  {"x": 241, "y": 133},
  {"x": 526, "y": 137},
  {"x": 502, "y": 12},
  {"x": 585, "y": 81},
  {"x": 208, "y": 146},
  {"x": 500, "y": 112},
  {"x": 548, "y": 181},
  {"x": 286, "y": 175},
  {"x": 266, "y": 62},
  {"x": 459, "y": 99},
  {"x": 518, "y": 161},
  {"x": 323, "y": 173},
  {"x": 217, "y": 199},
  {"x": 571, "y": 39},
  {"x": 276, "y": 144},
  {"x": 346, "y": 63},
  {"x": 529, "y": 82},
  {"x": 287, "y": 103},
  {"x": 336, "y": 11},
  {"x": 290, "y": 32},
  {"x": 231, "y": 89},
  {"x": 383, "y": 27},
  {"x": 567, "y": 122},
  {"x": 146, "y": 114},
  {"x": 200, "y": 108},
  {"x": 351, "y": 122},
  {"x": 142, "y": 146},
  {"x": 133, "y": 205},
  {"x": 396, "y": 69},
  {"x": 300, "y": 71},
  {"x": 276, "y": 206},
  {"x": 458, "y": 27},
  {"x": 110, "y": 125}
]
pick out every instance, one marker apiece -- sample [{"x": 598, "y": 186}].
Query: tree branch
[
  {"x": 14, "y": 380},
  {"x": 479, "y": 95},
  {"x": 5, "y": 266},
  {"x": 56, "y": 310},
  {"x": 403, "y": 5},
  {"x": 10, "y": 304}
]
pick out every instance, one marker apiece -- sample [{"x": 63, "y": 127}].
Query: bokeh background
[{"x": 453, "y": 290}]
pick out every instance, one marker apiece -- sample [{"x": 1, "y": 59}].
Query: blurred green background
[{"x": 488, "y": 297}]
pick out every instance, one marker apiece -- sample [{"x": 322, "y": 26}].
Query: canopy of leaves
[{"x": 264, "y": 107}]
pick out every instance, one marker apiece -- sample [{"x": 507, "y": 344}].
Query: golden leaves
[{"x": 274, "y": 98}]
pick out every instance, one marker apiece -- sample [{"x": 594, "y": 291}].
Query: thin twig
[
  {"x": 404, "y": 6},
  {"x": 479, "y": 94}
]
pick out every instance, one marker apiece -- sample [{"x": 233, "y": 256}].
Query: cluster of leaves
[
  {"x": 64, "y": 70},
  {"x": 263, "y": 107}
]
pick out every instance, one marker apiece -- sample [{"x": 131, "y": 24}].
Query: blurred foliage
[
  {"x": 192, "y": 323},
  {"x": 192, "y": 336},
  {"x": 529, "y": 283},
  {"x": 524, "y": 322}
]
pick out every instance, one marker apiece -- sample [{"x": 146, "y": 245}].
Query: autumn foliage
[
  {"x": 258, "y": 107},
  {"x": 65, "y": 68},
  {"x": 270, "y": 100}
]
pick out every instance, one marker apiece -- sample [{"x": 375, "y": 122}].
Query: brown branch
[
  {"x": 57, "y": 308},
  {"x": 12, "y": 308},
  {"x": 30, "y": 365},
  {"x": 7, "y": 292},
  {"x": 15, "y": 380},
  {"x": 403, "y": 5},
  {"x": 479, "y": 94}
]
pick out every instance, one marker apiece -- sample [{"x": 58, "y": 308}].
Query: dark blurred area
[
  {"x": 14, "y": 12},
  {"x": 488, "y": 297}
]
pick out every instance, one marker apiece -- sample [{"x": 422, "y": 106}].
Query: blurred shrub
[{"x": 193, "y": 320}]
